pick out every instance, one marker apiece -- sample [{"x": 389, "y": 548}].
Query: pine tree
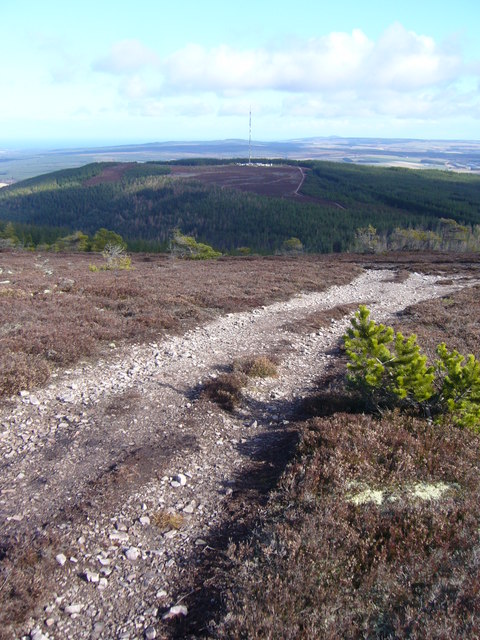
[
  {"x": 412, "y": 379},
  {"x": 386, "y": 367}
]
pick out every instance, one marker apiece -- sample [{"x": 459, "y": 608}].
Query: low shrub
[
  {"x": 322, "y": 566},
  {"x": 187, "y": 247},
  {"x": 226, "y": 390},
  {"x": 21, "y": 371},
  {"x": 257, "y": 366}
]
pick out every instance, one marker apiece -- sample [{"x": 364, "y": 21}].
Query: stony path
[{"x": 111, "y": 455}]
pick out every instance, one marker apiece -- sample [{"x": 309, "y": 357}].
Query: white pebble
[
  {"x": 173, "y": 612},
  {"x": 133, "y": 553},
  {"x": 73, "y": 608},
  {"x": 61, "y": 559}
]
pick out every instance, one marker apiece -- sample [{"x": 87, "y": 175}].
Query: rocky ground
[{"x": 115, "y": 477}]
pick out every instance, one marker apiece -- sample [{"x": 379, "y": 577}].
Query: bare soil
[{"x": 124, "y": 440}]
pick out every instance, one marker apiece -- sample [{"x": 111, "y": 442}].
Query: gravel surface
[{"x": 123, "y": 469}]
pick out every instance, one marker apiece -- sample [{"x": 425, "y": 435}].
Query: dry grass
[
  {"x": 226, "y": 389},
  {"x": 165, "y": 520},
  {"x": 27, "y": 569},
  {"x": 257, "y": 366},
  {"x": 21, "y": 371}
]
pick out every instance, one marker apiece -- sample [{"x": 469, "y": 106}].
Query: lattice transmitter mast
[{"x": 250, "y": 137}]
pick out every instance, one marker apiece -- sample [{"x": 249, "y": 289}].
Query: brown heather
[
  {"x": 324, "y": 567},
  {"x": 226, "y": 390},
  {"x": 454, "y": 319}
]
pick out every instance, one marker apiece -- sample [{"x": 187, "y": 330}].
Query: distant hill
[
  {"x": 462, "y": 155},
  {"x": 232, "y": 205}
]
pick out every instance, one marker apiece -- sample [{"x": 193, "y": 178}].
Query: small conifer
[{"x": 388, "y": 369}]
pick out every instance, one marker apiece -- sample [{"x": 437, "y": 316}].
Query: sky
[{"x": 108, "y": 72}]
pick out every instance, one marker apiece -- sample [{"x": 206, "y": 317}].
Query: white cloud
[
  {"x": 403, "y": 60},
  {"x": 313, "y": 65},
  {"x": 126, "y": 57},
  {"x": 339, "y": 75},
  {"x": 400, "y": 59}
]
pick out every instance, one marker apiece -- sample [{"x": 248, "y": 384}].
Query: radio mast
[{"x": 250, "y": 137}]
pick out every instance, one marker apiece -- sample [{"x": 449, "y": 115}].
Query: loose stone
[
  {"x": 73, "y": 608},
  {"x": 132, "y": 553},
  {"x": 91, "y": 576},
  {"x": 173, "y": 612},
  {"x": 180, "y": 480},
  {"x": 150, "y": 633}
]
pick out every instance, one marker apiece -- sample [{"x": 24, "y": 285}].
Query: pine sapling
[
  {"x": 460, "y": 386},
  {"x": 366, "y": 346},
  {"x": 412, "y": 379}
]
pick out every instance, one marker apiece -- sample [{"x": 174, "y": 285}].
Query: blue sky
[{"x": 103, "y": 71}]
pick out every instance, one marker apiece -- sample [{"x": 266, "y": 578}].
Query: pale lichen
[
  {"x": 419, "y": 490},
  {"x": 426, "y": 491}
]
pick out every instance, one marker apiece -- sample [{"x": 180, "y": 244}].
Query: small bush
[
  {"x": 226, "y": 390},
  {"x": 116, "y": 258},
  {"x": 257, "y": 366},
  {"x": 184, "y": 246}
]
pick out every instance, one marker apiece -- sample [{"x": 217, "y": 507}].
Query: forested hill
[{"x": 143, "y": 202}]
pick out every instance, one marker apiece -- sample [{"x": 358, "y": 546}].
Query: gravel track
[{"x": 106, "y": 447}]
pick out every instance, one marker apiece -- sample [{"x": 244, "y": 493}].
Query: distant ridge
[{"x": 457, "y": 155}]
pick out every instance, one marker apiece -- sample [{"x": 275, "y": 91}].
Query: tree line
[{"x": 146, "y": 203}]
